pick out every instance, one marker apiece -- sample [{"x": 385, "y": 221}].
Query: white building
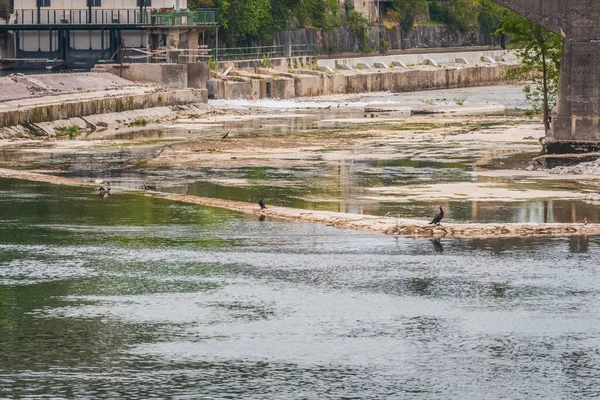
[{"x": 95, "y": 29}]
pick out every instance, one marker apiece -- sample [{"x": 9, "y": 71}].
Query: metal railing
[
  {"x": 142, "y": 55},
  {"x": 264, "y": 52},
  {"x": 100, "y": 16},
  {"x": 249, "y": 53},
  {"x": 299, "y": 50},
  {"x": 178, "y": 18}
]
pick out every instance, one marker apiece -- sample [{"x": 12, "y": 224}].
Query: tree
[
  {"x": 358, "y": 24},
  {"x": 245, "y": 20},
  {"x": 5, "y": 8},
  {"x": 491, "y": 18},
  {"x": 408, "y": 10},
  {"x": 196, "y": 4},
  {"x": 462, "y": 14},
  {"x": 540, "y": 52}
]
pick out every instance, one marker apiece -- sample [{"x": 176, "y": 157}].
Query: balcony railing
[{"x": 100, "y": 16}]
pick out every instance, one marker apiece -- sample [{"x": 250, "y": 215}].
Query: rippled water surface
[{"x": 135, "y": 297}]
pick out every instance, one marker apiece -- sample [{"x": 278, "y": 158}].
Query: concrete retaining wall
[
  {"x": 81, "y": 108},
  {"x": 342, "y": 40},
  {"x": 312, "y": 83},
  {"x": 177, "y": 76}
]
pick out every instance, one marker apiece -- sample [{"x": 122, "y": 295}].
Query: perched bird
[
  {"x": 261, "y": 203},
  {"x": 150, "y": 186},
  {"x": 585, "y": 221},
  {"x": 104, "y": 191},
  {"x": 225, "y": 136},
  {"x": 436, "y": 220}
]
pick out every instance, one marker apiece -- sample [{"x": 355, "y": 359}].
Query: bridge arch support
[{"x": 576, "y": 118}]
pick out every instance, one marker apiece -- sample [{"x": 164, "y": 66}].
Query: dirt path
[{"x": 385, "y": 225}]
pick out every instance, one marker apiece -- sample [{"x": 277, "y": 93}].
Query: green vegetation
[
  {"x": 408, "y": 11},
  {"x": 5, "y": 7},
  {"x": 460, "y": 100},
  {"x": 358, "y": 24},
  {"x": 212, "y": 63},
  {"x": 265, "y": 61},
  {"x": 139, "y": 122},
  {"x": 70, "y": 131},
  {"x": 540, "y": 53}
]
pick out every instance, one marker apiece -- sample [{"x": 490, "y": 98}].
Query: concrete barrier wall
[
  {"x": 282, "y": 64},
  {"x": 81, "y": 108},
  {"x": 396, "y": 80},
  {"x": 170, "y": 75},
  {"x": 177, "y": 76}
]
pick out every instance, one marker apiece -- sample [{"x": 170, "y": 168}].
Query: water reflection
[
  {"x": 347, "y": 186},
  {"x": 437, "y": 245},
  {"x": 100, "y": 298}
]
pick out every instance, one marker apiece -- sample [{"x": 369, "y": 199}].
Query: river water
[{"x": 136, "y": 297}]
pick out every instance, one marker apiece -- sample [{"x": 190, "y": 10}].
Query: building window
[
  {"x": 144, "y": 3},
  {"x": 43, "y": 3},
  {"x": 94, "y": 3}
]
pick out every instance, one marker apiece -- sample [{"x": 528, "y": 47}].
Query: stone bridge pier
[{"x": 576, "y": 118}]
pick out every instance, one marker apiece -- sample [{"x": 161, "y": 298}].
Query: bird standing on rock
[
  {"x": 261, "y": 203},
  {"x": 436, "y": 220}
]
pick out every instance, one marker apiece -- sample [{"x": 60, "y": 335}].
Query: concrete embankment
[
  {"x": 265, "y": 83},
  {"x": 384, "y": 225},
  {"x": 35, "y": 99}
]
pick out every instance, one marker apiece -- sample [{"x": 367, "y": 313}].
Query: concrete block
[
  {"x": 237, "y": 89},
  {"x": 500, "y": 58},
  {"x": 362, "y": 65},
  {"x": 461, "y": 60},
  {"x": 213, "y": 88},
  {"x": 198, "y": 74},
  {"x": 380, "y": 65},
  {"x": 308, "y": 85},
  {"x": 398, "y": 64},
  {"x": 343, "y": 66},
  {"x": 430, "y": 61},
  {"x": 169, "y": 75},
  {"x": 488, "y": 60},
  {"x": 283, "y": 88}
]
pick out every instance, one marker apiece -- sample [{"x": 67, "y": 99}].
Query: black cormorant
[
  {"x": 104, "y": 191},
  {"x": 261, "y": 203},
  {"x": 436, "y": 220}
]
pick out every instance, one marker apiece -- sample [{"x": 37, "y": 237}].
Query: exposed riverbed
[{"x": 377, "y": 154}]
